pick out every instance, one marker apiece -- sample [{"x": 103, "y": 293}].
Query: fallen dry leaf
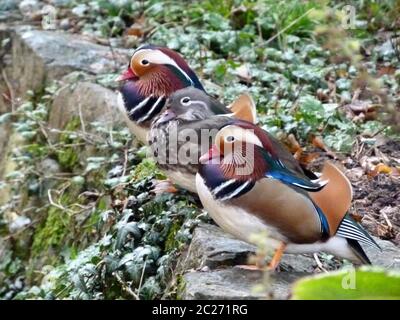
[
  {"x": 319, "y": 143},
  {"x": 356, "y": 216},
  {"x": 386, "y": 70},
  {"x": 137, "y": 29},
  {"x": 307, "y": 158},
  {"x": 380, "y": 168},
  {"x": 385, "y": 232},
  {"x": 361, "y": 110},
  {"x": 293, "y": 144}
]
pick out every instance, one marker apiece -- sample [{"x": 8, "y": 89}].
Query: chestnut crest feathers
[
  {"x": 148, "y": 58},
  {"x": 153, "y": 74}
]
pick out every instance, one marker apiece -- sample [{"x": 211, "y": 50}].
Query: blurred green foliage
[{"x": 366, "y": 283}]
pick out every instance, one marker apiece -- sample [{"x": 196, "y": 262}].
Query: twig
[
  {"x": 56, "y": 204},
  {"x": 81, "y": 118},
  {"x": 125, "y": 162},
  {"x": 141, "y": 277},
  {"x": 125, "y": 286},
  {"x": 10, "y": 90},
  {"x": 319, "y": 263},
  {"x": 288, "y": 26},
  {"x": 113, "y": 54},
  {"x": 387, "y": 220},
  {"x": 296, "y": 98}
]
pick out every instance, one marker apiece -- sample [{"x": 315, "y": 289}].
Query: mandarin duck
[
  {"x": 153, "y": 74},
  {"x": 249, "y": 184},
  {"x": 175, "y": 135}
]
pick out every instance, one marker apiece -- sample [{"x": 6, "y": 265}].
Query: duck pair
[{"x": 246, "y": 179}]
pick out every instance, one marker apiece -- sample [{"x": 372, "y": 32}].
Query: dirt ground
[{"x": 377, "y": 198}]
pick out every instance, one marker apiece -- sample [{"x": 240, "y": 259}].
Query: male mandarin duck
[
  {"x": 153, "y": 74},
  {"x": 174, "y": 135},
  {"x": 249, "y": 183}
]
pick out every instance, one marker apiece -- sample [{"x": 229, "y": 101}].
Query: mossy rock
[
  {"x": 147, "y": 168},
  {"x": 68, "y": 157},
  {"x": 52, "y": 233},
  {"x": 172, "y": 243}
]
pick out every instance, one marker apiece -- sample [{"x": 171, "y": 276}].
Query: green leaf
[{"x": 367, "y": 283}]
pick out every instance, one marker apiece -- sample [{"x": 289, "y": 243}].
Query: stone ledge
[
  {"x": 213, "y": 253},
  {"x": 91, "y": 100},
  {"x": 237, "y": 283},
  {"x": 42, "y": 56}
]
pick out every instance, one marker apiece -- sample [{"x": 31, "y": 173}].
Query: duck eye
[
  {"x": 230, "y": 138},
  {"x": 185, "y": 100},
  {"x": 144, "y": 62}
]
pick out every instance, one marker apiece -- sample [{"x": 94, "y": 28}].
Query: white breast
[
  {"x": 243, "y": 225},
  {"x": 235, "y": 220}
]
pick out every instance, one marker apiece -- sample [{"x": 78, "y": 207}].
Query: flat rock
[
  {"x": 389, "y": 257},
  {"x": 213, "y": 253},
  {"x": 90, "y": 101},
  {"x": 237, "y": 283},
  {"x": 42, "y": 56},
  {"x": 212, "y": 247}
]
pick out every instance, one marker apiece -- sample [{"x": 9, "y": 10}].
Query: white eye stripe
[
  {"x": 158, "y": 57},
  {"x": 195, "y": 102},
  {"x": 246, "y": 135}
]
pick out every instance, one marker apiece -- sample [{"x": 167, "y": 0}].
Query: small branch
[
  {"x": 279, "y": 33},
  {"x": 81, "y": 118},
  {"x": 387, "y": 220},
  {"x": 141, "y": 277},
  {"x": 319, "y": 263},
  {"x": 125, "y": 162},
  {"x": 113, "y": 54},
  {"x": 56, "y": 204},
  {"x": 125, "y": 286},
  {"x": 10, "y": 90}
]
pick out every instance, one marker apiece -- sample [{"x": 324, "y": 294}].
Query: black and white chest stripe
[
  {"x": 231, "y": 189},
  {"x": 147, "y": 109},
  {"x": 221, "y": 188}
]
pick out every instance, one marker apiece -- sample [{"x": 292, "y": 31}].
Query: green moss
[
  {"x": 68, "y": 157},
  {"x": 147, "y": 168},
  {"x": 180, "y": 287},
  {"x": 52, "y": 233},
  {"x": 95, "y": 216},
  {"x": 171, "y": 242}
]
